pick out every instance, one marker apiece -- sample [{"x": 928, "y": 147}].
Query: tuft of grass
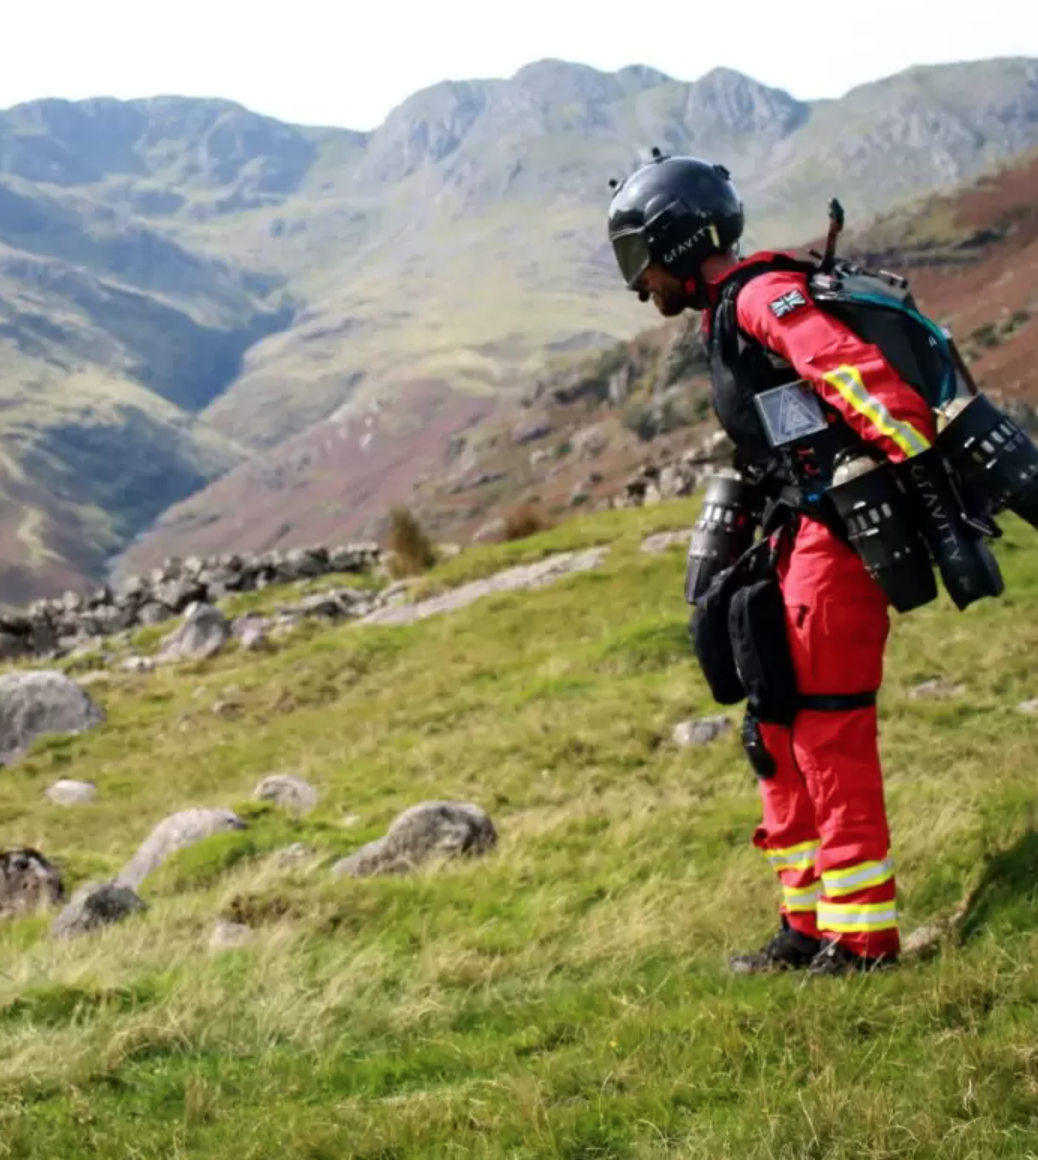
[
  {"x": 523, "y": 521},
  {"x": 412, "y": 551}
]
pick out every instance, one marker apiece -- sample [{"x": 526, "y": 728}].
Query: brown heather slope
[{"x": 973, "y": 261}]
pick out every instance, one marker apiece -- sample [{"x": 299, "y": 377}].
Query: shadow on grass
[{"x": 1006, "y": 894}]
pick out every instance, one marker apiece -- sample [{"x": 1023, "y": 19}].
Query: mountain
[
  {"x": 583, "y": 427},
  {"x": 195, "y": 294}
]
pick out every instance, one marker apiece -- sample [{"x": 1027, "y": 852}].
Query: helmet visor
[{"x": 632, "y": 256}]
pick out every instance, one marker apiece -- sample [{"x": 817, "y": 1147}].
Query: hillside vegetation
[
  {"x": 316, "y": 304},
  {"x": 564, "y": 995}
]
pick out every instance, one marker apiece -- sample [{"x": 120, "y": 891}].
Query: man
[{"x": 674, "y": 225}]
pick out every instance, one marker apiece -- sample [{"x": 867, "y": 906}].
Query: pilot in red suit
[{"x": 673, "y": 225}]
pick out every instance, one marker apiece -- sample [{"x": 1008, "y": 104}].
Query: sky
[{"x": 349, "y": 62}]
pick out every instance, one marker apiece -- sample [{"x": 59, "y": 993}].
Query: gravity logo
[{"x": 683, "y": 247}]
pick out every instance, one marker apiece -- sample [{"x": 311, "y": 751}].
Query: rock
[
  {"x": 178, "y": 594},
  {"x": 424, "y": 831},
  {"x": 661, "y": 541},
  {"x": 302, "y": 564},
  {"x": 531, "y": 431},
  {"x": 677, "y": 480},
  {"x": 701, "y": 731},
  {"x": 226, "y": 935},
  {"x": 287, "y": 790},
  {"x": 590, "y": 442},
  {"x": 653, "y": 495},
  {"x": 924, "y": 941},
  {"x": 40, "y": 702},
  {"x": 1028, "y": 706},
  {"x": 325, "y": 605},
  {"x": 201, "y": 634},
  {"x": 68, "y": 792},
  {"x": 176, "y": 832},
  {"x": 523, "y": 576},
  {"x": 132, "y": 589},
  {"x": 96, "y": 905},
  {"x": 254, "y": 635},
  {"x": 540, "y": 455},
  {"x": 292, "y": 855},
  {"x": 579, "y": 495},
  {"x": 396, "y": 593},
  {"x": 137, "y": 664},
  {"x": 14, "y": 647},
  {"x": 492, "y": 532},
  {"x": 715, "y": 448},
  {"x": 620, "y": 383},
  {"x": 936, "y": 689},
  {"x": 29, "y": 883},
  {"x": 152, "y": 612}
]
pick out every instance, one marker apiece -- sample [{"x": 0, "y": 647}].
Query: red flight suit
[{"x": 824, "y": 829}]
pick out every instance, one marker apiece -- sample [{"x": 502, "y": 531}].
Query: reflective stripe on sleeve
[{"x": 848, "y": 381}]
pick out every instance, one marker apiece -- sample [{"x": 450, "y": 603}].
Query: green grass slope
[{"x": 565, "y": 996}]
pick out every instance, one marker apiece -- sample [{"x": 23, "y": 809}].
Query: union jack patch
[{"x": 787, "y": 303}]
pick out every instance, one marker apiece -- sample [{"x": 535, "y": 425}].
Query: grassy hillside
[{"x": 565, "y": 996}]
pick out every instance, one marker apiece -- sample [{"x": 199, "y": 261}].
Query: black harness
[{"x": 794, "y": 476}]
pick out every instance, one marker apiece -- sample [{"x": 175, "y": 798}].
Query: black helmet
[{"x": 675, "y": 211}]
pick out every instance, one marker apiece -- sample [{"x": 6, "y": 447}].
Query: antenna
[{"x": 835, "y": 227}]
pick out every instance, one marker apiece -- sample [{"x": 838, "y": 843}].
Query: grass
[{"x": 565, "y": 996}]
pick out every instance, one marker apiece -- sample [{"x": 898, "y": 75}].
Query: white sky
[{"x": 348, "y": 62}]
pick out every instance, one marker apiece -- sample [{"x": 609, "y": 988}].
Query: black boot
[
  {"x": 835, "y": 959},
  {"x": 789, "y": 950}
]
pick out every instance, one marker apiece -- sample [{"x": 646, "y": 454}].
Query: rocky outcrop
[
  {"x": 53, "y": 628},
  {"x": 174, "y": 833},
  {"x": 679, "y": 477}
]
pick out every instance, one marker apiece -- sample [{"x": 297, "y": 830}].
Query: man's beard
[{"x": 670, "y": 302}]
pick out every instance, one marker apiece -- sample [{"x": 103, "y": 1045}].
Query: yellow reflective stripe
[
  {"x": 848, "y": 381},
  {"x": 859, "y": 877},
  {"x": 847, "y": 918},
  {"x": 800, "y": 897},
  {"x": 800, "y": 857}
]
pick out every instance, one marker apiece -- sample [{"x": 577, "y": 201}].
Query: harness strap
[{"x": 836, "y": 702}]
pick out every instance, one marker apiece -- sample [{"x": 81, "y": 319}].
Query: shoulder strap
[{"x": 725, "y": 329}]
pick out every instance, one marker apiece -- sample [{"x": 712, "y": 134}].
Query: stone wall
[{"x": 52, "y": 628}]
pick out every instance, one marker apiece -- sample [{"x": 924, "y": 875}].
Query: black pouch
[
  {"x": 760, "y": 650},
  {"x": 710, "y": 630}
]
